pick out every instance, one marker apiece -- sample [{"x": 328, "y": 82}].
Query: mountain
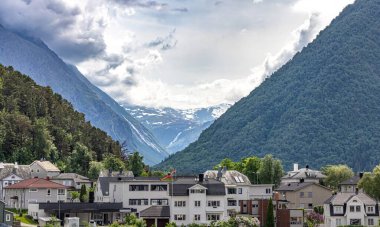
[
  {"x": 33, "y": 58},
  {"x": 35, "y": 123},
  {"x": 175, "y": 129},
  {"x": 322, "y": 107}
]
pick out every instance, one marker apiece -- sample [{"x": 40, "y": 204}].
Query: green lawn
[{"x": 25, "y": 220}]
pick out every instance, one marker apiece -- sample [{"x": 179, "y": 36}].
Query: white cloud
[{"x": 184, "y": 54}]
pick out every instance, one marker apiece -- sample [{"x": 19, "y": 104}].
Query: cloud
[
  {"x": 143, "y": 4},
  {"x": 165, "y": 43}
]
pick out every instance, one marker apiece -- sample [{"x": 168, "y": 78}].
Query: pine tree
[
  {"x": 83, "y": 193},
  {"x": 270, "y": 216}
]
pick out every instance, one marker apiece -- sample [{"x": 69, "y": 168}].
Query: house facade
[
  {"x": 11, "y": 173},
  {"x": 43, "y": 169},
  {"x": 351, "y": 209},
  {"x": 34, "y": 190},
  {"x": 305, "y": 195},
  {"x": 72, "y": 180}
]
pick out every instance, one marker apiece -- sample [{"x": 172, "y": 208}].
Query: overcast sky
[{"x": 173, "y": 53}]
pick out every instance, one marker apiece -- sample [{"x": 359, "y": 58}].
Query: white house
[
  {"x": 239, "y": 189},
  {"x": 302, "y": 175},
  {"x": 12, "y": 173},
  {"x": 43, "y": 169},
  {"x": 351, "y": 209}
]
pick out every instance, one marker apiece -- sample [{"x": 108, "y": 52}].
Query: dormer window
[
  {"x": 197, "y": 191},
  {"x": 370, "y": 209}
]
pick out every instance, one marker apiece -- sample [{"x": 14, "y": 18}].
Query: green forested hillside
[
  {"x": 35, "y": 123},
  {"x": 322, "y": 107}
]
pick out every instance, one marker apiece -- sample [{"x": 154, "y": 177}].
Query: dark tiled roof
[
  {"x": 7, "y": 169},
  {"x": 352, "y": 181},
  {"x": 293, "y": 186},
  {"x": 81, "y": 207},
  {"x": 156, "y": 211},
  {"x": 181, "y": 185},
  {"x": 304, "y": 173},
  {"x": 35, "y": 183}
]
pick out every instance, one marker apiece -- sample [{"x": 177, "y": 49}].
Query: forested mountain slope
[
  {"x": 322, "y": 107},
  {"x": 33, "y": 58},
  {"x": 36, "y": 123}
]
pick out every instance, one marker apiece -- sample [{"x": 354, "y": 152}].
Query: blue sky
[{"x": 177, "y": 53}]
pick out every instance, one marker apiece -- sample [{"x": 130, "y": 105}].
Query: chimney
[
  {"x": 361, "y": 174},
  {"x": 201, "y": 176},
  {"x": 219, "y": 174},
  {"x": 302, "y": 180},
  {"x": 307, "y": 167},
  {"x": 356, "y": 191},
  {"x": 295, "y": 167}
]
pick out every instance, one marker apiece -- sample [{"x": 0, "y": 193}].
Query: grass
[{"x": 25, "y": 219}]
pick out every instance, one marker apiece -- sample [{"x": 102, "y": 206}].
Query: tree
[
  {"x": 136, "y": 164},
  {"x": 270, "y": 216},
  {"x": 336, "y": 174},
  {"x": 251, "y": 166},
  {"x": 370, "y": 183},
  {"x": 95, "y": 169},
  {"x": 271, "y": 170},
  {"x": 226, "y": 163},
  {"x": 113, "y": 163},
  {"x": 83, "y": 193},
  {"x": 74, "y": 195},
  {"x": 313, "y": 219},
  {"x": 80, "y": 159}
]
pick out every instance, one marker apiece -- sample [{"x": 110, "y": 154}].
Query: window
[
  {"x": 302, "y": 194},
  {"x": 138, "y": 202},
  {"x": 355, "y": 221},
  {"x": 268, "y": 190},
  {"x": 240, "y": 191},
  {"x": 213, "y": 217},
  {"x": 370, "y": 209},
  {"x": 179, "y": 217},
  {"x": 197, "y": 203},
  {"x": 352, "y": 208},
  {"x": 231, "y": 190},
  {"x": 338, "y": 222},
  {"x": 159, "y": 187},
  {"x": 8, "y": 217},
  {"x": 255, "y": 205},
  {"x": 61, "y": 191},
  {"x": 370, "y": 221},
  {"x": 193, "y": 191},
  {"x": 179, "y": 203},
  {"x": 6, "y": 183},
  {"x": 138, "y": 187},
  {"x": 232, "y": 203},
  {"x": 197, "y": 217},
  {"x": 48, "y": 192},
  {"x": 357, "y": 208},
  {"x": 310, "y": 194},
  {"x": 338, "y": 209},
  {"x": 213, "y": 203},
  {"x": 160, "y": 202},
  {"x": 33, "y": 190}
]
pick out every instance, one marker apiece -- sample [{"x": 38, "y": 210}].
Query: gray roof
[
  {"x": 156, "y": 211},
  {"x": 181, "y": 186},
  {"x": 352, "y": 181},
  {"x": 304, "y": 173},
  {"x": 295, "y": 186},
  {"x": 342, "y": 198},
  {"x": 229, "y": 177},
  {"x": 72, "y": 176},
  {"x": 6, "y": 169}
]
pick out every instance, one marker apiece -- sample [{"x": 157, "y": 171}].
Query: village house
[
  {"x": 304, "y": 195},
  {"x": 302, "y": 174},
  {"x": 34, "y": 190},
  {"x": 11, "y": 173},
  {"x": 73, "y": 181},
  {"x": 43, "y": 169}
]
